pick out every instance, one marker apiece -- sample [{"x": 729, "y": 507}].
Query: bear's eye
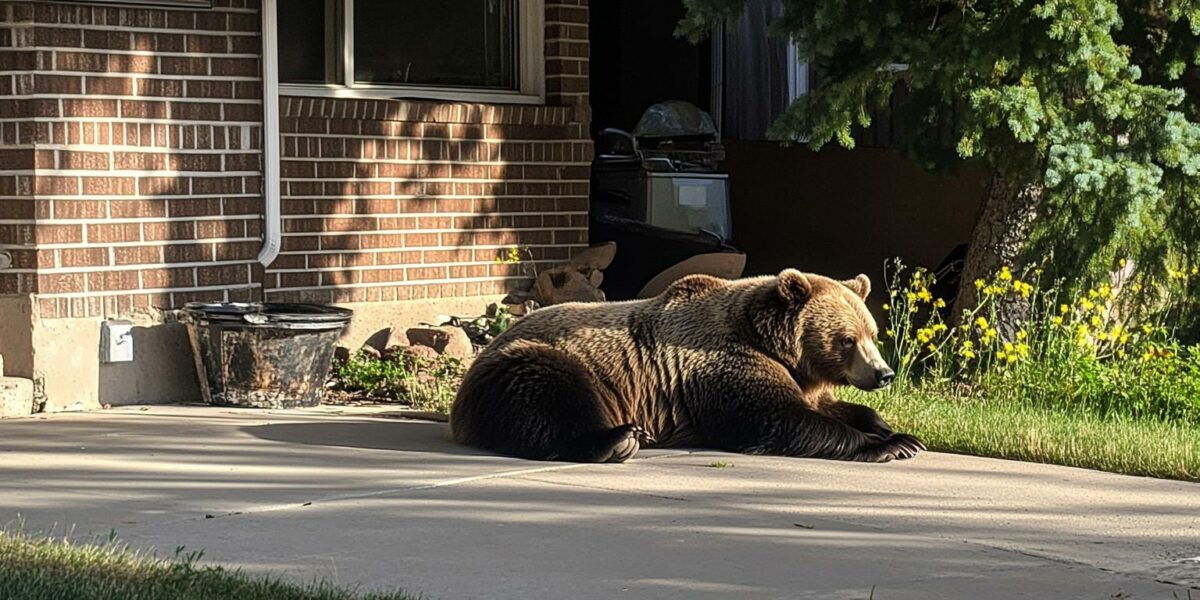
[{"x": 848, "y": 342}]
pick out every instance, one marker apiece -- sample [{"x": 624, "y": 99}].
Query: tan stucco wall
[
  {"x": 66, "y": 352},
  {"x": 16, "y": 335}
]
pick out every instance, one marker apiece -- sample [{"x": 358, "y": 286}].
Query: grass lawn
[
  {"x": 1032, "y": 433},
  {"x": 39, "y": 569}
]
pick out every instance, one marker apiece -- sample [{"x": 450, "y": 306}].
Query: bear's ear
[
  {"x": 794, "y": 286},
  {"x": 860, "y": 285}
]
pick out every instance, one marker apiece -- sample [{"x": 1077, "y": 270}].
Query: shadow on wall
[
  {"x": 841, "y": 213},
  {"x": 162, "y": 371}
]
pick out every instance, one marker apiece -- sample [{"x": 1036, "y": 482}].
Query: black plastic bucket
[{"x": 263, "y": 355}]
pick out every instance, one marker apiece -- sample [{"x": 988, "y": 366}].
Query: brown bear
[{"x": 745, "y": 366}]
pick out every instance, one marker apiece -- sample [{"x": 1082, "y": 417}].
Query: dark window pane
[
  {"x": 303, "y": 37},
  {"x": 467, "y": 43}
]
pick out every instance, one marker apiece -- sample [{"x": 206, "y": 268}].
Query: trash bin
[{"x": 263, "y": 355}]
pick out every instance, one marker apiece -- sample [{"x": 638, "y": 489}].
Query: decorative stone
[
  {"x": 564, "y": 284},
  {"x": 452, "y": 341},
  {"x": 595, "y": 258}
]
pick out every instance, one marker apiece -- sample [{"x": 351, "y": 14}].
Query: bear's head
[{"x": 822, "y": 331}]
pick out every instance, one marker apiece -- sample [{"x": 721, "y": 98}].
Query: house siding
[
  {"x": 390, "y": 200},
  {"x": 131, "y": 183},
  {"x": 138, "y": 142}
]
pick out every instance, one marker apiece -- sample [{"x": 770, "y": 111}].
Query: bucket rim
[{"x": 269, "y": 313}]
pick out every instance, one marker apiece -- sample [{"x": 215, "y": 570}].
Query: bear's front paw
[
  {"x": 875, "y": 425},
  {"x": 898, "y": 447}
]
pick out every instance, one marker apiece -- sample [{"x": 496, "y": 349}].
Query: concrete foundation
[{"x": 63, "y": 355}]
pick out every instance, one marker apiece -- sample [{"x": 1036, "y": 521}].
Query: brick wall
[
  {"x": 395, "y": 200},
  {"x": 400, "y": 200},
  {"x": 132, "y": 168}
]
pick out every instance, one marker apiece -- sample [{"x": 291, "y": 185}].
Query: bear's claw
[{"x": 900, "y": 446}]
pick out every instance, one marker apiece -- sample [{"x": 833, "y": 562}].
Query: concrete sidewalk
[{"x": 353, "y": 496}]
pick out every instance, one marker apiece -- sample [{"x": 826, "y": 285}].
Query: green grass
[
  {"x": 1035, "y": 433},
  {"x": 42, "y": 569}
]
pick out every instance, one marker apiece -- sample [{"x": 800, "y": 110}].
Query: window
[{"x": 474, "y": 50}]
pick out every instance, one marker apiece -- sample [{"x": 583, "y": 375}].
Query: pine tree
[{"x": 1084, "y": 112}]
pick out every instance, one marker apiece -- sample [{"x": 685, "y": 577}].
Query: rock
[
  {"x": 595, "y": 258},
  {"x": 16, "y": 397},
  {"x": 451, "y": 341},
  {"x": 371, "y": 351},
  {"x": 564, "y": 284},
  {"x": 341, "y": 354}
]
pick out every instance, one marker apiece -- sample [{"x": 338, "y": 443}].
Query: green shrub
[{"x": 423, "y": 380}]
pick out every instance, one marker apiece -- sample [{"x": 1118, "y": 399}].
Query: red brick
[
  {"x": 133, "y": 63},
  {"x": 83, "y": 257},
  {"x": 49, "y": 185},
  {"x": 238, "y": 67},
  {"x": 60, "y": 283},
  {"x": 58, "y": 84},
  {"x": 80, "y": 209},
  {"x": 80, "y": 61},
  {"x": 176, "y": 253},
  {"x": 123, "y": 209},
  {"x": 173, "y": 230},
  {"x": 206, "y": 44},
  {"x": 143, "y": 109},
  {"x": 162, "y": 186},
  {"x": 89, "y": 108},
  {"x": 220, "y": 229},
  {"x": 100, "y": 233},
  {"x": 222, "y": 275},
  {"x": 106, "y": 281},
  {"x": 184, "y": 65},
  {"x": 107, "y": 40},
  {"x": 69, "y": 159},
  {"x": 160, "y": 279},
  {"x": 108, "y": 186},
  {"x": 139, "y": 161},
  {"x": 196, "y": 111},
  {"x": 137, "y": 255},
  {"x": 170, "y": 88}
]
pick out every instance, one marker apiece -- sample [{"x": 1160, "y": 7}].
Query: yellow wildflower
[
  {"x": 887, "y": 307},
  {"x": 939, "y": 303},
  {"x": 979, "y": 283},
  {"x": 1058, "y": 320},
  {"x": 1064, "y": 309},
  {"x": 1005, "y": 274},
  {"x": 1021, "y": 334}
]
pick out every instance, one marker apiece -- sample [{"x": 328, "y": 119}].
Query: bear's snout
[{"x": 884, "y": 377}]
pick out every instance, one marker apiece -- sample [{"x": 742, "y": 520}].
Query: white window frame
[{"x": 531, "y": 68}]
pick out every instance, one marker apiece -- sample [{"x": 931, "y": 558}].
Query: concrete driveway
[{"x": 356, "y": 497}]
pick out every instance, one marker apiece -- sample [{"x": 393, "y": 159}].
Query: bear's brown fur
[{"x": 746, "y": 366}]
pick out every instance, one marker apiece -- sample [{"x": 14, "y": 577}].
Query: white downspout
[{"x": 270, "y": 102}]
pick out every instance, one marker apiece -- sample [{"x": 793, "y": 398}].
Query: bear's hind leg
[
  {"x": 615, "y": 445},
  {"x": 540, "y": 403}
]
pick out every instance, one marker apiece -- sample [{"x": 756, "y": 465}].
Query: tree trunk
[{"x": 1000, "y": 235}]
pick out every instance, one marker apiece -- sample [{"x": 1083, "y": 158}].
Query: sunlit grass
[{"x": 1035, "y": 433}]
